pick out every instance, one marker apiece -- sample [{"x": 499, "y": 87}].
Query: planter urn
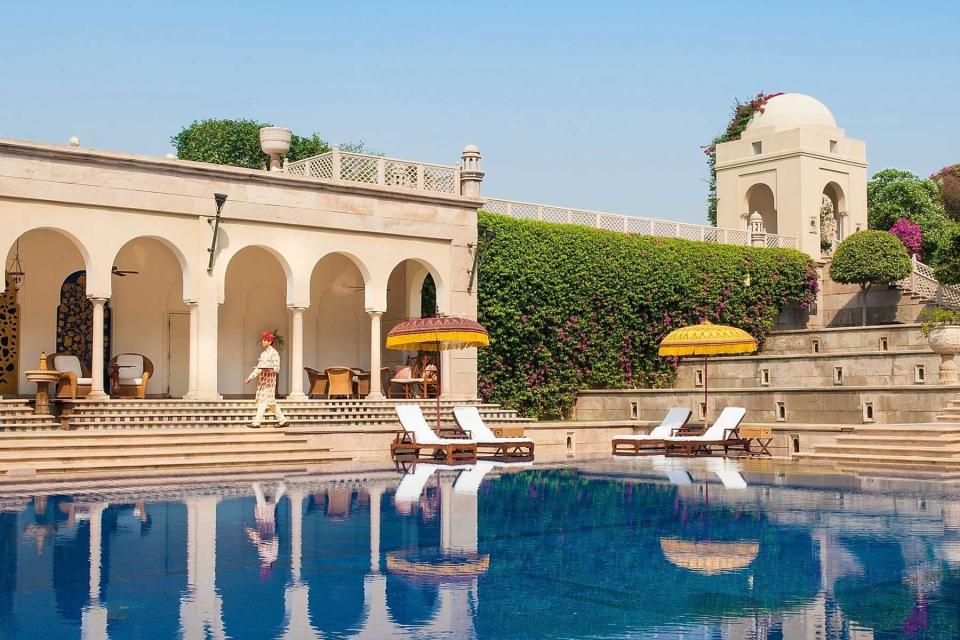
[
  {"x": 945, "y": 340},
  {"x": 275, "y": 142}
]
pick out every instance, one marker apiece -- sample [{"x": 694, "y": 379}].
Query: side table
[{"x": 43, "y": 378}]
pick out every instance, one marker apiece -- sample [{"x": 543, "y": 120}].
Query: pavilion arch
[
  {"x": 762, "y": 198},
  {"x": 835, "y": 193},
  {"x": 150, "y": 316},
  {"x": 255, "y": 296},
  {"x": 225, "y": 258},
  {"x": 417, "y": 274},
  {"x": 85, "y": 256},
  {"x": 186, "y": 273},
  {"x": 336, "y": 327}
]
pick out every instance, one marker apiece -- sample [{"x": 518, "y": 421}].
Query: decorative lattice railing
[
  {"x": 632, "y": 224},
  {"x": 922, "y": 282},
  {"x": 361, "y": 168}
]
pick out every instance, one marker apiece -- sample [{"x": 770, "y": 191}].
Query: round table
[{"x": 43, "y": 378}]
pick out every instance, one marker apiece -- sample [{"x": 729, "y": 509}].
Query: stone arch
[
  {"x": 837, "y": 197},
  {"x": 256, "y": 293},
  {"x": 185, "y": 271},
  {"x": 77, "y": 243},
  {"x": 225, "y": 258},
  {"x": 761, "y": 197},
  {"x": 426, "y": 267},
  {"x": 336, "y": 326},
  {"x": 832, "y": 213}
]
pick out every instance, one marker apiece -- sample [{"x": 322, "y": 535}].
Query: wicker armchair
[
  {"x": 129, "y": 374},
  {"x": 318, "y": 382},
  {"x": 75, "y": 381},
  {"x": 340, "y": 382},
  {"x": 361, "y": 386}
]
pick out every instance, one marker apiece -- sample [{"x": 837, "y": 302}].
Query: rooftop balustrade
[{"x": 362, "y": 168}]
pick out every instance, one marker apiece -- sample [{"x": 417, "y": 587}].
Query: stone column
[
  {"x": 296, "y": 354},
  {"x": 376, "y": 347},
  {"x": 208, "y": 319},
  {"x": 96, "y": 364},
  {"x": 446, "y": 374},
  {"x": 192, "y": 375}
]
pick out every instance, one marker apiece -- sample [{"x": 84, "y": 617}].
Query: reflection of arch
[
  {"x": 177, "y": 254},
  {"x": 75, "y": 321},
  {"x": 709, "y": 558},
  {"x": 411, "y": 604},
  {"x": 761, "y": 198}
]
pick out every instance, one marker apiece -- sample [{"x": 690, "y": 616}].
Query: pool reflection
[{"x": 643, "y": 548}]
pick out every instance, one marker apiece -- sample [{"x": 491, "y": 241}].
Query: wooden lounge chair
[
  {"x": 724, "y": 432},
  {"x": 75, "y": 381},
  {"x": 653, "y": 442},
  {"x": 468, "y": 418},
  {"x": 417, "y": 437},
  {"x": 318, "y": 383},
  {"x": 340, "y": 382},
  {"x": 129, "y": 374}
]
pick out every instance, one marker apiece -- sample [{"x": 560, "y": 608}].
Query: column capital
[
  {"x": 296, "y": 307},
  {"x": 191, "y": 302},
  {"x": 98, "y": 299},
  {"x": 375, "y": 311}
]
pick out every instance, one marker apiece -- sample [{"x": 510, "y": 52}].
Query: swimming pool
[{"x": 649, "y": 548}]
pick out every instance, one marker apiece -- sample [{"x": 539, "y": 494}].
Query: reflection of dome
[
  {"x": 792, "y": 110},
  {"x": 437, "y": 565},
  {"x": 709, "y": 558}
]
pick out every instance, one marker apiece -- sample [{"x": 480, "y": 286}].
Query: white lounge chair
[
  {"x": 728, "y": 471},
  {"x": 417, "y": 436},
  {"x": 472, "y": 423},
  {"x": 652, "y": 442},
  {"x": 724, "y": 432}
]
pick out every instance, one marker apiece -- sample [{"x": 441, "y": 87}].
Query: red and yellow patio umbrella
[
  {"x": 441, "y": 333},
  {"x": 707, "y": 339}
]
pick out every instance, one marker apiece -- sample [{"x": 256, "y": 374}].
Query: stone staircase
[
  {"x": 951, "y": 412},
  {"x": 155, "y": 449},
  {"x": 20, "y": 413},
  {"x": 923, "y": 450}
]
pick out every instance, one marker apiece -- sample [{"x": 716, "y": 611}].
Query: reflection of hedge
[
  {"x": 569, "y": 307},
  {"x": 576, "y": 557}
]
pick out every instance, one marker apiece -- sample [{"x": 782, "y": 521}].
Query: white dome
[{"x": 791, "y": 111}]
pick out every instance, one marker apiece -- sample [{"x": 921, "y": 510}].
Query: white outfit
[{"x": 268, "y": 366}]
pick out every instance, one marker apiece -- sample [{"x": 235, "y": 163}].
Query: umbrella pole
[
  {"x": 439, "y": 378},
  {"x": 705, "y": 378}
]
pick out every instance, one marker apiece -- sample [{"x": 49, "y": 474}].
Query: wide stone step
[
  {"x": 933, "y": 429},
  {"x": 894, "y": 450},
  {"x": 180, "y": 451},
  {"x": 169, "y": 462},
  {"x": 86, "y": 442},
  {"x": 904, "y": 443},
  {"x": 901, "y": 460}
]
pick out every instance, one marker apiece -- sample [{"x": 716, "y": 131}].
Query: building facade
[{"x": 118, "y": 256}]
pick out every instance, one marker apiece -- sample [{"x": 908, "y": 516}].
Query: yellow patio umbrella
[
  {"x": 707, "y": 339},
  {"x": 441, "y": 333}
]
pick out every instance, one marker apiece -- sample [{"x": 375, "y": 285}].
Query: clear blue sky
[{"x": 600, "y": 105}]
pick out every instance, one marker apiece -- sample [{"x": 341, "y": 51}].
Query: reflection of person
[
  {"x": 264, "y": 537},
  {"x": 265, "y": 373}
]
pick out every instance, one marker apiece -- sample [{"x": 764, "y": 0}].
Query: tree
[
  {"x": 948, "y": 179},
  {"x": 237, "y": 143},
  {"x": 893, "y": 194},
  {"x": 867, "y": 258},
  {"x": 947, "y": 258}
]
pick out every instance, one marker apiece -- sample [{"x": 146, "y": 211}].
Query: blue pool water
[{"x": 605, "y": 549}]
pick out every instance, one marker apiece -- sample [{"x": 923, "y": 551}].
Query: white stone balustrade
[
  {"x": 632, "y": 224},
  {"x": 923, "y": 282},
  {"x": 346, "y": 166}
]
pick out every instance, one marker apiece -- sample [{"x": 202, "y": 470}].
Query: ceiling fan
[{"x": 123, "y": 272}]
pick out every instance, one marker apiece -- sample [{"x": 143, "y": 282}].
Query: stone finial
[
  {"x": 275, "y": 142},
  {"x": 74, "y": 141},
  {"x": 758, "y": 234},
  {"x": 470, "y": 174},
  {"x": 170, "y": 156}
]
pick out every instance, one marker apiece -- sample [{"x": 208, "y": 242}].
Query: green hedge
[{"x": 571, "y": 308}]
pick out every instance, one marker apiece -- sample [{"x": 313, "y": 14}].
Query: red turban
[{"x": 269, "y": 337}]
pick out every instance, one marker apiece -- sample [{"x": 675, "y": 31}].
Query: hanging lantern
[{"x": 15, "y": 272}]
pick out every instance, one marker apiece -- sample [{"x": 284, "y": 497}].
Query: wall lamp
[
  {"x": 484, "y": 234},
  {"x": 220, "y": 199}
]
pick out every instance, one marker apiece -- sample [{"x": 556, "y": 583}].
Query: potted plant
[{"x": 942, "y": 330}]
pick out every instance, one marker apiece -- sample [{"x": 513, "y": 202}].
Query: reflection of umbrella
[
  {"x": 709, "y": 557},
  {"x": 437, "y": 334},
  {"x": 707, "y": 339}
]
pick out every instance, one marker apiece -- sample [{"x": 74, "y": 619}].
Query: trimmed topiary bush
[
  {"x": 571, "y": 308},
  {"x": 867, "y": 258}
]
